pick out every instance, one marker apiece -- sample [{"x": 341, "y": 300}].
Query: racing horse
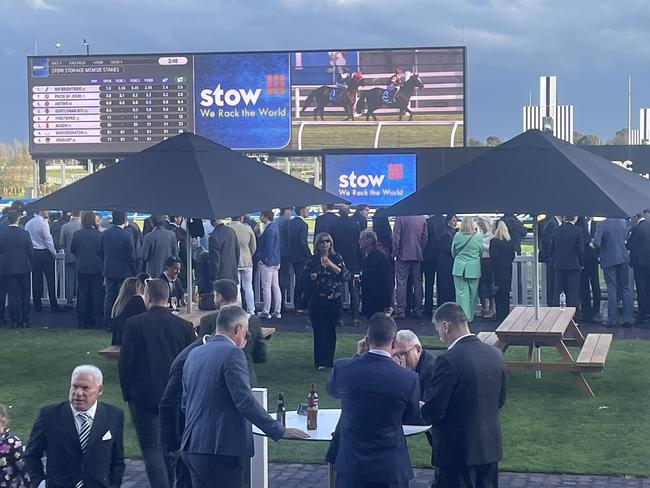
[
  {"x": 346, "y": 98},
  {"x": 373, "y": 98}
]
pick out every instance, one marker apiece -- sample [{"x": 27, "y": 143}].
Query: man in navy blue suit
[
  {"x": 118, "y": 251},
  {"x": 377, "y": 397}
]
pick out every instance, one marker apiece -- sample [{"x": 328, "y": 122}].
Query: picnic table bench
[{"x": 555, "y": 327}]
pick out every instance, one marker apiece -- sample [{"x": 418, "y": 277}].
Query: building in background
[{"x": 548, "y": 115}]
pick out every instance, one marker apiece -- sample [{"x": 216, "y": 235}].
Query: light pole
[
  {"x": 59, "y": 46},
  {"x": 86, "y": 44}
]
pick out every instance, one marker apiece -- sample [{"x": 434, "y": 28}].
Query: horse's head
[
  {"x": 414, "y": 81},
  {"x": 355, "y": 82}
]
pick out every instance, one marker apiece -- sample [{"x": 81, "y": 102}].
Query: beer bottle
[
  {"x": 281, "y": 412},
  {"x": 312, "y": 409}
]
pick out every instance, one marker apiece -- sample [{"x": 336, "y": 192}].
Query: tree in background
[
  {"x": 16, "y": 168},
  {"x": 586, "y": 139},
  {"x": 492, "y": 141},
  {"x": 620, "y": 138}
]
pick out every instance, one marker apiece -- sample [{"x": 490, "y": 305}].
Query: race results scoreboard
[{"x": 108, "y": 105}]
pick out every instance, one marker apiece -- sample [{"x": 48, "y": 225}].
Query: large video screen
[
  {"x": 378, "y": 180},
  {"x": 115, "y": 105}
]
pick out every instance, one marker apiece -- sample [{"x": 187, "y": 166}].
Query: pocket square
[{"x": 107, "y": 436}]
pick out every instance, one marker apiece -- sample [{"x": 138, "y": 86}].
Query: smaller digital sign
[{"x": 378, "y": 180}]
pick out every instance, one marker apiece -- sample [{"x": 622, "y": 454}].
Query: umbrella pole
[
  {"x": 188, "y": 266},
  {"x": 537, "y": 350}
]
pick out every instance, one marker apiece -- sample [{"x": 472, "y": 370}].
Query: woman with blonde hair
[
  {"x": 486, "y": 283},
  {"x": 129, "y": 302},
  {"x": 502, "y": 254},
  {"x": 326, "y": 274},
  {"x": 466, "y": 248}
]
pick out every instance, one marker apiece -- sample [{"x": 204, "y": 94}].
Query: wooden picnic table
[{"x": 557, "y": 328}]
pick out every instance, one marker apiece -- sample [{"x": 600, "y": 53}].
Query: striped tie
[{"x": 84, "y": 434}]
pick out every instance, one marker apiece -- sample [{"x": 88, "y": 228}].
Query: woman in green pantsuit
[{"x": 466, "y": 248}]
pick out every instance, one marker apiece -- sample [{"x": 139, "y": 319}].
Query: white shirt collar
[
  {"x": 91, "y": 411},
  {"x": 380, "y": 352},
  {"x": 461, "y": 337},
  {"x": 14, "y": 225},
  {"x": 559, "y": 221}
]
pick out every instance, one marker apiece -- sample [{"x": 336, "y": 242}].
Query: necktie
[{"x": 84, "y": 434}]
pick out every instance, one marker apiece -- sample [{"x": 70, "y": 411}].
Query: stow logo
[
  {"x": 352, "y": 180},
  {"x": 275, "y": 85}
]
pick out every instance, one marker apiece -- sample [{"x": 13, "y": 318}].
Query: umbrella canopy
[
  {"x": 533, "y": 173},
  {"x": 186, "y": 175}
]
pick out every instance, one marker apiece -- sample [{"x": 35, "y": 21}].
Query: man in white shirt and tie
[
  {"x": 44, "y": 253},
  {"x": 82, "y": 438}
]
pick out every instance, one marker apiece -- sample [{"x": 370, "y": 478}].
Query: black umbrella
[
  {"x": 533, "y": 173},
  {"x": 186, "y": 175}
]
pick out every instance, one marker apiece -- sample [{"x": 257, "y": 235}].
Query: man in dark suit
[
  {"x": 157, "y": 246},
  {"x": 361, "y": 216},
  {"x": 436, "y": 225},
  {"x": 16, "y": 256},
  {"x": 468, "y": 390},
  {"x": 567, "y": 253},
  {"x": 150, "y": 343},
  {"x": 547, "y": 228},
  {"x": 639, "y": 245},
  {"x": 82, "y": 438},
  {"x": 516, "y": 230},
  {"x": 224, "y": 253},
  {"x": 326, "y": 220},
  {"x": 218, "y": 438},
  {"x": 299, "y": 253},
  {"x": 118, "y": 252},
  {"x": 86, "y": 247},
  {"x": 377, "y": 281},
  {"x": 345, "y": 233},
  {"x": 589, "y": 279},
  {"x": 377, "y": 397}
]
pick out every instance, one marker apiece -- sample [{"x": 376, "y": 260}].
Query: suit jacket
[
  {"x": 324, "y": 223},
  {"x": 435, "y": 226},
  {"x": 175, "y": 290},
  {"x": 377, "y": 397},
  {"x": 376, "y": 283},
  {"x": 425, "y": 369},
  {"x": 65, "y": 239},
  {"x": 361, "y": 220},
  {"x": 247, "y": 243},
  {"x": 16, "y": 251},
  {"x": 218, "y": 403},
  {"x": 410, "y": 238},
  {"x": 639, "y": 244},
  {"x": 150, "y": 343},
  {"x": 345, "y": 233},
  {"x": 268, "y": 246},
  {"x": 118, "y": 252},
  {"x": 467, "y": 250},
  {"x": 547, "y": 230},
  {"x": 610, "y": 242},
  {"x": 516, "y": 230},
  {"x": 588, "y": 233},
  {"x": 445, "y": 258},
  {"x": 469, "y": 388},
  {"x": 54, "y": 433},
  {"x": 568, "y": 247},
  {"x": 298, "y": 247},
  {"x": 157, "y": 246},
  {"x": 283, "y": 229},
  {"x": 224, "y": 254},
  {"x": 86, "y": 248}
]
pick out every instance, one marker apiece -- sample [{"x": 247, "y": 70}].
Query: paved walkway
[{"x": 315, "y": 476}]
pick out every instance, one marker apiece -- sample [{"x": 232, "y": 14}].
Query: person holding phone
[{"x": 327, "y": 273}]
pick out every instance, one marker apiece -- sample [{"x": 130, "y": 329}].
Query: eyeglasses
[
  {"x": 324, "y": 241},
  {"x": 403, "y": 354}
]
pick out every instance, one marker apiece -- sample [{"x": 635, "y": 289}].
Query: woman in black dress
[
  {"x": 129, "y": 302},
  {"x": 326, "y": 275},
  {"x": 446, "y": 291},
  {"x": 502, "y": 254}
]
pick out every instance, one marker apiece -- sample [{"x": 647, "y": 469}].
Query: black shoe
[
  {"x": 15, "y": 325},
  {"x": 57, "y": 309},
  {"x": 627, "y": 324}
]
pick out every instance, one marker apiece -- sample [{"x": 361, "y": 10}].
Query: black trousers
[
  {"x": 18, "y": 288},
  {"x": 481, "y": 476},
  {"x": 354, "y": 295},
  {"x": 156, "y": 462},
  {"x": 3, "y": 296},
  {"x": 446, "y": 288},
  {"x": 284, "y": 279},
  {"x": 90, "y": 299},
  {"x": 43, "y": 264},
  {"x": 567, "y": 281},
  {"x": 113, "y": 286},
  {"x": 182, "y": 474},
  {"x": 299, "y": 287},
  {"x": 589, "y": 292},
  {"x": 642, "y": 281},
  {"x": 550, "y": 284},
  {"x": 345, "y": 482},
  {"x": 503, "y": 281},
  {"x": 213, "y": 470},
  {"x": 324, "y": 316},
  {"x": 429, "y": 269}
]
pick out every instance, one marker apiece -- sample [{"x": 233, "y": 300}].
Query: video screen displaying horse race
[{"x": 89, "y": 106}]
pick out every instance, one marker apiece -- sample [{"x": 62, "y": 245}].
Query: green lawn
[{"x": 548, "y": 426}]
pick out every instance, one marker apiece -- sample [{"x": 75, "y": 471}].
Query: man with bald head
[{"x": 82, "y": 438}]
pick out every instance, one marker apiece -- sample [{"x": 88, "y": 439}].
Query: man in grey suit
[
  {"x": 219, "y": 406},
  {"x": 65, "y": 241},
  {"x": 157, "y": 246},
  {"x": 614, "y": 259}
]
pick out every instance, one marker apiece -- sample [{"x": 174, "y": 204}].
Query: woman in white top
[{"x": 486, "y": 284}]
